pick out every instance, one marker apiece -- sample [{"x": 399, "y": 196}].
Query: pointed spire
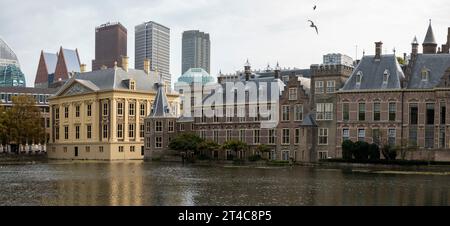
[
  {"x": 161, "y": 107},
  {"x": 429, "y": 38},
  {"x": 247, "y": 64},
  {"x": 415, "y": 41},
  {"x": 278, "y": 68}
]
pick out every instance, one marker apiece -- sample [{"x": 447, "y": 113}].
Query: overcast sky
[{"x": 265, "y": 31}]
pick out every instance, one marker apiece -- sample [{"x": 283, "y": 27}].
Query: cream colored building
[{"x": 100, "y": 115}]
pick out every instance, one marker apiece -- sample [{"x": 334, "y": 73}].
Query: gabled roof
[
  {"x": 435, "y": 64},
  {"x": 429, "y": 38},
  {"x": 372, "y": 71},
  {"x": 50, "y": 61},
  {"x": 72, "y": 60},
  {"x": 161, "y": 107}
]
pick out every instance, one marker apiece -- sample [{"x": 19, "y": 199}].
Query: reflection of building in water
[{"x": 117, "y": 184}]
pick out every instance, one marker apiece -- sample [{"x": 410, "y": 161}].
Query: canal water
[{"x": 160, "y": 184}]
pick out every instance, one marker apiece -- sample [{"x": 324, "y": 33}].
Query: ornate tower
[{"x": 429, "y": 44}]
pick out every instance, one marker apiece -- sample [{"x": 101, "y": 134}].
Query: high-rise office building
[
  {"x": 196, "y": 51},
  {"x": 110, "y": 45},
  {"x": 153, "y": 43}
]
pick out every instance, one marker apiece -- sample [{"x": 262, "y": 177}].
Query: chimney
[
  {"x": 415, "y": 47},
  {"x": 83, "y": 68},
  {"x": 378, "y": 50},
  {"x": 147, "y": 66},
  {"x": 125, "y": 63}
]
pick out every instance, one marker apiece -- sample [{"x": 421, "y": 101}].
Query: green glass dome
[
  {"x": 197, "y": 75},
  {"x": 11, "y": 76}
]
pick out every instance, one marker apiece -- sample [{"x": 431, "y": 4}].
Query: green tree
[
  {"x": 347, "y": 149},
  {"x": 263, "y": 149},
  {"x": 235, "y": 146},
  {"x": 361, "y": 151},
  {"x": 24, "y": 122},
  {"x": 186, "y": 142},
  {"x": 207, "y": 147},
  {"x": 374, "y": 152}
]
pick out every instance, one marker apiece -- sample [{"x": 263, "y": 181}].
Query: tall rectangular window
[
  {"x": 346, "y": 112},
  {"x": 66, "y": 112},
  {"x": 331, "y": 86},
  {"x": 131, "y": 130},
  {"x": 77, "y": 111},
  {"x": 324, "y": 112},
  {"x": 142, "y": 110},
  {"x": 105, "y": 109},
  {"x": 376, "y": 112},
  {"x": 242, "y": 135},
  {"x": 256, "y": 136},
  {"x": 286, "y": 113},
  {"x": 158, "y": 142},
  {"x": 57, "y": 133},
  {"x": 362, "y": 112},
  {"x": 57, "y": 113},
  {"x": 361, "y": 135},
  {"x": 430, "y": 114},
  {"x": 376, "y": 136},
  {"x": 392, "y": 134},
  {"x": 121, "y": 149},
  {"x": 77, "y": 132},
  {"x": 89, "y": 132},
  {"x": 414, "y": 114},
  {"x": 216, "y": 136},
  {"x": 298, "y": 111},
  {"x": 229, "y": 135},
  {"x": 171, "y": 126},
  {"x": 120, "y": 131},
  {"x": 158, "y": 126},
  {"x": 272, "y": 136},
  {"x": 345, "y": 134},
  {"x": 142, "y": 130},
  {"x": 443, "y": 113},
  {"x": 105, "y": 131},
  {"x": 89, "y": 110},
  {"x": 120, "y": 109},
  {"x": 286, "y": 136},
  {"x": 132, "y": 109},
  {"x": 66, "y": 132},
  {"x": 392, "y": 112},
  {"x": 293, "y": 95},
  {"x": 319, "y": 87},
  {"x": 323, "y": 136},
  {"x": 297, "y": 136}
]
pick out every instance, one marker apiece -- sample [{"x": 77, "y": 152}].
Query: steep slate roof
[
  {"x": 429, "y": 38},
  {"x": 114, "y": 79},
  {"x": 436, "y": 64},
  {"x": 373, "y": 74},
  {"x": 161, "y": 107}
]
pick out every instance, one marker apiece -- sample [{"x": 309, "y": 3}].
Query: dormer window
[
  {"x": 132, "y": 85},
  {"x": 359, "y": 77},
  {"x": 425, "y": 74},
  {"x": 386, "y": 75}
]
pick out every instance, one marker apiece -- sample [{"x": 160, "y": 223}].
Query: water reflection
[{"x": 138, "y": 183}]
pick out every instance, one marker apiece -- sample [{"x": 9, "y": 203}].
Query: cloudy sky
[{"x": 265, "y": 31}]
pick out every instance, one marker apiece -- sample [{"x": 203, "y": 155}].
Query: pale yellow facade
[{"x": 101, "y": 125}]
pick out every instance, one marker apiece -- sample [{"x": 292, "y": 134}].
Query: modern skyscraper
[
  {"x": 110, "y": 45},
  {"x": 196, "y": 51},
  {"x": 10, "y": 73},
  {"x": 153, "y": 43}
]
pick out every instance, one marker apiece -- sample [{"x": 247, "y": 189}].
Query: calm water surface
[{"x": 149, "y": 184}]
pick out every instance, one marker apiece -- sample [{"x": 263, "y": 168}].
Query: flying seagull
[
  {"x": 315, "y": 7},
  {"x": 313, "y": 26}
]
